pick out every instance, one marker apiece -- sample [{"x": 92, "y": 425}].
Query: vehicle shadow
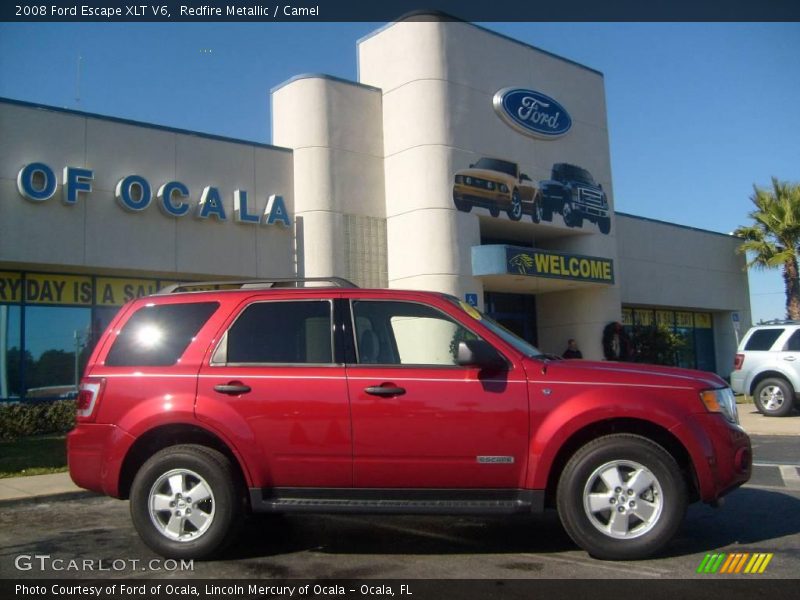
[
  {"x": 749, "y": 516},
  {"x": 393, "y": 535}
]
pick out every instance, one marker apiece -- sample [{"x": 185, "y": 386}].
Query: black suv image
[{"x": 573, "y": 192}]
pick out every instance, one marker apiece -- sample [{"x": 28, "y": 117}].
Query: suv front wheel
[
  {"x": 773, "y": 397},
  {"x": 185, "y": 502},
  {"x": 621, "y": 497}
]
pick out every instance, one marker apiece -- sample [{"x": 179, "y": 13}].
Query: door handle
[
  {"x": 789, "y": 358},
  {"x": 380, "y": 390},
  {"x": 234, "y": 388}
]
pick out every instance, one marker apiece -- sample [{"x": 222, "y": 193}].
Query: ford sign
[{"x": 532, "y": 113}]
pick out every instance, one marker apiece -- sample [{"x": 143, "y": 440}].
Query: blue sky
[{"x": 697, "y": 112}]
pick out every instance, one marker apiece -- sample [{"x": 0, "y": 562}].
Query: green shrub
[{"x": 20, "y": 420}]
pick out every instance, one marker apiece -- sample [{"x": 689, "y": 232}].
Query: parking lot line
[{"x": 790, "y": 476}]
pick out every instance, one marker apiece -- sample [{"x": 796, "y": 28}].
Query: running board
[{"x": 396, "y": 501}]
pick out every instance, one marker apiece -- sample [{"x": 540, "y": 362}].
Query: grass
[{"x": 36, "y": 455}]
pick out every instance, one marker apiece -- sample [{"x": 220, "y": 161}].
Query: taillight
[
  {"x": 89, "y": 394},
  {"x": 738, "y": 361}
]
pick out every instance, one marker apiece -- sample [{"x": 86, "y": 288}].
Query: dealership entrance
[{"x": 515, "y": 312}]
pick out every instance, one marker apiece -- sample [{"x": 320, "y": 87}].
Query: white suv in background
[{"x": 767, "y": 367}]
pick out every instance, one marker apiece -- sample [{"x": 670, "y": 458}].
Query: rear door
[
  {"x": 420, "y": 420},
  {"x": 275, "y": 384}
]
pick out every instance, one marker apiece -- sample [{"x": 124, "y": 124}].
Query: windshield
[
  {"x": 574, "y": 173},
  {"x": 511, "y": 338},
  {"x": 493, "y": 164}
]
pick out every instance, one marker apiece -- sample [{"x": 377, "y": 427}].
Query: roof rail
[
  {"x": 272, "y": 283},
  {"x": 779, "y": 322}
]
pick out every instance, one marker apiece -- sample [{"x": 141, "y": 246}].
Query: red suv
[{"x": 201, "y": 406}]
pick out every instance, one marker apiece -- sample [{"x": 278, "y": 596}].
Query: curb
[{"x": 40, "y": 498}]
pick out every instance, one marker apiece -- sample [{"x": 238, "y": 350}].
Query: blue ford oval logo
[{"x": 532, "y": 113}]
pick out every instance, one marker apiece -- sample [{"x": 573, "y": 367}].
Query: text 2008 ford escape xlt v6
[{"x": 202, "y": 405}]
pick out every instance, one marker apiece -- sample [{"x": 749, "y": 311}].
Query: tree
[{"x": 774, "y": 236}]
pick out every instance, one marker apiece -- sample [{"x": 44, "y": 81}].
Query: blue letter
[
  {"x": 165, "y": 194},
  {"x": 240, "y": 208},
  {"x": 211, "y": 204},
  {"x": 125, "y": 194},
  {"x": 25, "y": 182},
  {"x": 76, "y": 180},
  {"x": 276, "y": 211}
]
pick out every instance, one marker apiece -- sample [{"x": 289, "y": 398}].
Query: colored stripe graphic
[{"x": 735, "y": 563}]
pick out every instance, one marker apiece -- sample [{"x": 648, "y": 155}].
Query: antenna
[{"x": 78, "y": 82}]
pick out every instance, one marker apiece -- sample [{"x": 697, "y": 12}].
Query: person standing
[{"x": 572, "y": 350}]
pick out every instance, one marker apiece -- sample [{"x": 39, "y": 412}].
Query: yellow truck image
[{"x": 499, "y": 186}]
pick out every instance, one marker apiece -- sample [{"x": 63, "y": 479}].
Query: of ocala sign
[
  {"x": 532, "y": 113},
  {"x": 37, "y": 182}
]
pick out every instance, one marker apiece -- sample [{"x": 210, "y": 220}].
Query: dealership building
[{"x": 461, "y": 161}]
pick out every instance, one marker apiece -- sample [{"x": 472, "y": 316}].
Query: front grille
[{"x": 591, "y": 197}]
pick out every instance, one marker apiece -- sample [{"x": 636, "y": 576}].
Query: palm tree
[{"x": 773, "y": 238}]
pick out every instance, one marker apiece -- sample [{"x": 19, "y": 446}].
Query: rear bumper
[
  {"x": 737, "y": 382},
  {"x": 94, "y": 454},
  {"x": 724, "y": 461}
]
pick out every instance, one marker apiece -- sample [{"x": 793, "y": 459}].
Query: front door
[{"x": 419, "y": 419}]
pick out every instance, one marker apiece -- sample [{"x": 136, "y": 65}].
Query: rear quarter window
[
  {"x": 762, "y": 339},
  {"x": 157, "y": 336}
]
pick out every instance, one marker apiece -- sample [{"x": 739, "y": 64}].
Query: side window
[
  {"x": 793, "y": 345},
  {"x": 405, "y": 333},
  {"x": 762, "y": 339},
  {"x": 292, "y": 332},
  {"x": 157, "y": 336}
]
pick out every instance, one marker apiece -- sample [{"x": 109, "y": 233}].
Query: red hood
[{"x": 622, "y": 373}]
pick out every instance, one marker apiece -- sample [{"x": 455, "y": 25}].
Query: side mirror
[
  {"x": 600, "y": 185},
  {"x": 471, "y": 165},
  {"x": 524, "y": 177},
  {"x": 479, "y": 353}
]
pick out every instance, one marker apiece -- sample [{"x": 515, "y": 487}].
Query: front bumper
[{"x": 723, "y": 461}]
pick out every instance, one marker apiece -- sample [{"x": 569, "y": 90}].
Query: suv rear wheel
[
  {"x": 621, "y": 497},
  {"x": 186, "y": 502},
  {"x": 773, "y": 397}
]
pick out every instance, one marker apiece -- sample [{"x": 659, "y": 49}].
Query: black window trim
[
  {"x": 352, "y": 337},
  {"x": 224, "y": 338}
]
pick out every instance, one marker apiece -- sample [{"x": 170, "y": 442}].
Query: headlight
[
  {"x": 504, "y": 188},
  {"x": 468, "y": 180},
  {"x": 490, "y": 185},
  {"x": 721, "y": 401},
  {"x": 459, "y": 179}
]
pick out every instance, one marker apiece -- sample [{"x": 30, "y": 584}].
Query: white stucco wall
[
  {"x": 438, "y": 81},
  {"x": 335, "y": 130},
  {"x": 667, "y": 265},
  {"x": 96, "y": 233}
]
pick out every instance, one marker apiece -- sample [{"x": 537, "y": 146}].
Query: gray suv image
[{"x": 767, "y": 367}]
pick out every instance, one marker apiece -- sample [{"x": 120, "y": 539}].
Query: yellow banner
[
  {"x": 703, "y": 320},
  {"x": 627, "y": 317},
  {"x": 113, "y": 291},
  {"x": 644, "y": 318},
  {"x": 665, "y": 318},
  {"x": 684, "y": 319},
  {"x": 10, "y": 287},
  {"x": 42, "y": 288}
]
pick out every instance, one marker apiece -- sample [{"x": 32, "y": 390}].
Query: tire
[
  {"x": 160, "y": 502},
  {"x": 515, "y": 210},
  {"x": 653, "y": 508},
  {"x": 774, "y": 397},
  {"x": 571, "y": 217},
  {"x": 604, "y": 223},
  {"x": 536, "y": 211}
]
